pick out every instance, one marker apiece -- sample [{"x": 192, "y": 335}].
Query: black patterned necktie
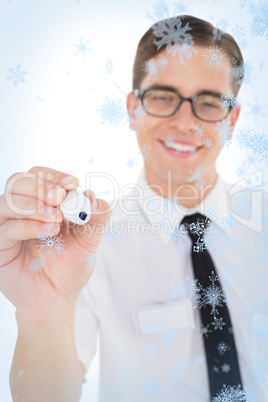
[{"x": 221, "y": 355}]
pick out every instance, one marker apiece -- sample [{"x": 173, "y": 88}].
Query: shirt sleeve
[{"x": 86, "y": 327}]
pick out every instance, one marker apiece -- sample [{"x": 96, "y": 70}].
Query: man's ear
[
  {"x": 234, "y": 117},
  {"x": 131, "y": 110}
]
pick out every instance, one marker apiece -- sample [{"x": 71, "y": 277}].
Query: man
[{"x": 166, "y": 332}]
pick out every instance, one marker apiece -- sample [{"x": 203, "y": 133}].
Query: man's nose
[{"x": 184, "y": 118}]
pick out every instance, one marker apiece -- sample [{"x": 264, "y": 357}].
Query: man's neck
[{"x": 187, "y": 194}]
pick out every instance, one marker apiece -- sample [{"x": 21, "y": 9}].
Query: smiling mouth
[{"x": 178, "y": 148}]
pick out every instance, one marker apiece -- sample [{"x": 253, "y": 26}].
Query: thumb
[{"x": 90, "y": 234}]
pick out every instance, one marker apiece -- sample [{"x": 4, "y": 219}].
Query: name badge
[{"x": 162, "y": 317}]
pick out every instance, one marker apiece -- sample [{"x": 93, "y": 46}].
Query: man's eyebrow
[
  {"x": 170, "y": 87},
  {"x": 209, "y": 91}
]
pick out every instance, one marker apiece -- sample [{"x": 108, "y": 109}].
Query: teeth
[{"x": 179, "y": 147}]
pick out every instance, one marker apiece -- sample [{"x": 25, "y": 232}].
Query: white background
[{"x": 52, "y": 119}]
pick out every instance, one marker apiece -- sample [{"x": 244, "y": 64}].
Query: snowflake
[
  {"x": 223, "y": 24},
  {"x": 222, "y": 348},
  {"x": 238, "y": 31},
  {"x": 243, "y": 205},
  {"x": 153, "y": 349},
  {"x": 112, "y": 112},
  {"x": 50, "y": 244},
  {"x": 199, "y": 130},
  {"x": 237, "y": 72},
  {"x": 175, "y": 374},
  {"x": 230, "y": 393},
  {"x": 207, "y": 142},
  {"x": 144, "y": 151},
  {"x": 130, "y": 163},
  {"x": 174, "y": 37},
  {"x": 228, "y": 100},
  {"x": 139, "y": 114},
  {"x": 251, "y": 393},
  {"x": 257, "y": 144},
  {"x": 16, "y": 75},
  {"x": 191, "y": 288},
  {"x": 82, "y": 47},
  {"x": 243, "y": 137},
  {"x": 212, "y": 295},
  {"x": 225, "y": 130},
  {"x": 195, "y": 177},
  {"x": 109, "y": 66},
  {"x": 181, "y": 8},
  {"x": 204, "y": 330},
  {"x": 167, "y": 341},
  {"x": 198, "y": 229},
  {"x": 161, "y": 62},
  {"x": 256, "y": 110},
  {"x": 151, "y": 68},
  {"x": 259, "y": 370},
  {"x": 36, "y": 265},
  {"x": 259, "y": 26},
  {"x": 216, "y": 369},
  {"x": 179, "y": 237},
  {"x": 218, "y": 323},
  {"x": 243, "y": 43},
  {"x": 225, "y": 368},
  {"x": 160, "y": 10},
  {"x": 259, "y": 327},
  {"x": 214, "y": 56},
  {"x": 261, "y": 147},
  {"x": 217, "y": 34}
]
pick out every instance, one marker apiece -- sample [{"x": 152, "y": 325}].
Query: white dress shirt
[{"x": 141, "y": 301}]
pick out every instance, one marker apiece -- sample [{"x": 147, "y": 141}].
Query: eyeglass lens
[{"x": 163, "y": 103}]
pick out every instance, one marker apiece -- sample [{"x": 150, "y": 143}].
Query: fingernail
[
  {"x": 56, "y": 194},
  {"x": 69, "y": 182}
]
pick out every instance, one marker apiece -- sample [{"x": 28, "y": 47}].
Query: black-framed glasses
[{"x": 166, "y": 101}]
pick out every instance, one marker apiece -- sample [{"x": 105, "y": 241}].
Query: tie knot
[{"x": 195, "y": 226}]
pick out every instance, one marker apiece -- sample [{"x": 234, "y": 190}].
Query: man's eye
[
  {"x": 163, "y": 98},
  {"x": 210, "y": 105}
]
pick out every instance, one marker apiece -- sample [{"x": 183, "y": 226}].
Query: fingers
[
  {"x": 54, "y": 176},
  {"x": 52, "y": 191},
  {"x": 30, "y": 200},
  {"x": 34, "y": 188},
  {"x": 13, "y": 231},
  {"x": 21, "y": 207},
  {"x": 100, "y": 209},
  {"x": 90, "y": 234},
  {"x": 44, "y": 184}
]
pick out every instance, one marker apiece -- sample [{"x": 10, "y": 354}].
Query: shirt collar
[{"x": 167, "y": 213}]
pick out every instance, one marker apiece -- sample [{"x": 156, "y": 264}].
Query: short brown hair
[{"x": 202, "y": 32}]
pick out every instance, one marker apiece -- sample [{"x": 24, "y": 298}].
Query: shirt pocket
[{"x": 156, "y": 319}]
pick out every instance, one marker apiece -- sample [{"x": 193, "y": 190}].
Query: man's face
[{"x": 152, "y": 132}]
